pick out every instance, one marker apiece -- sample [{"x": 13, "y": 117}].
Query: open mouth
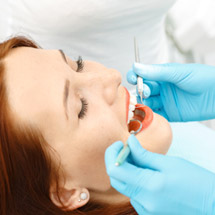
[{"x": 137, "y": 112}]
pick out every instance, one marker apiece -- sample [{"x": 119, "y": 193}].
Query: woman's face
[{"x": 45, "y": 90}]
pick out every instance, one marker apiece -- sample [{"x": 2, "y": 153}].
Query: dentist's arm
[
  {"x": 179, "y": 92},
  {"x": 161, "y": 185}
]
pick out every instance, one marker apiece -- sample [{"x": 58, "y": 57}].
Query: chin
[{"x": 157, "y": 137}]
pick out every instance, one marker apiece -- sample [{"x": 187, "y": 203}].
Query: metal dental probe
[{"x": 139, "y": 79}]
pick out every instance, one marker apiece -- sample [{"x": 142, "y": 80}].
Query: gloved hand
[
  {"x": 179, "y": 92},
  {"x": 161, "y": 185}
]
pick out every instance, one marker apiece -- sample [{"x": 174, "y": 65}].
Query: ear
[{"x": 71, "y": 199}]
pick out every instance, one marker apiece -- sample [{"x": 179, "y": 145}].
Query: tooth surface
[
  {"x": 131, "y": 107},
  {"x": 130, "y": 114},
  {"x": 133, "y": 100}
]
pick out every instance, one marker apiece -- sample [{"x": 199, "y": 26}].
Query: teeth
[
  {"x": 133, "y": 100},
  {"x": 131, "y": 107},
  {"x": 130, "y": 115}
]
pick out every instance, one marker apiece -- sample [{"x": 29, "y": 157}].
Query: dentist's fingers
[
  {"x": 159, "y": 72},
  {"x": 118, "y": 185},
  {"x": 129, "y": 174},
  {"x": 126, "y": 172},
  {"x": 112, "y": 152},
  {"x": 154, "y": 102},
  {"x": 131, "y": 77},
  {"x": 143, "y": 158},
  {"x": 128, "y": 179},
  {"x": 138, "y": 207},
  {"x": 146, "y": 91},
  {"x": 154, "y": 87}
]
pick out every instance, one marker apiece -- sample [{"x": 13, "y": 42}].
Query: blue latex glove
[
  {"x": 179, "y": 92},
  {"x": 161, "y": 185}
]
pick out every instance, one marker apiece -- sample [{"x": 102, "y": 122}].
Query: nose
[
  {"x": 103, "y": 83},
  {"x": 111, "y": 83}
]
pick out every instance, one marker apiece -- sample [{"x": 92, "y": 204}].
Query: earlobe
[{"x": 70, "y": 199}]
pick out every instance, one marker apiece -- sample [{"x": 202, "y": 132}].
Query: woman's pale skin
[{"x": 36, "y": 79}]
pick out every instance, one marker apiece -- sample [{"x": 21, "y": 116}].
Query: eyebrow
[
  {"x": 65, "y": 97},
  {"x": 63, "y": 55},
  {"x": 66, "y": 87}
]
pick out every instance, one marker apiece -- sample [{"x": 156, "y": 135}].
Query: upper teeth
[
  {"x": 131, "y": 107},
  {"x": 133, "y": 102}
]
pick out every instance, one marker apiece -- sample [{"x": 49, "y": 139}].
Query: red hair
[{"x": 26, "y": 168}]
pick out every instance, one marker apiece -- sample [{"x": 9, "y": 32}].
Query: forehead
[
  {"x": 34, "y": 80},
  {"x": 25, "y": 61},
  {"x": 31, "y": 58}
]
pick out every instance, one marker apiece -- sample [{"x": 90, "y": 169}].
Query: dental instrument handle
[
  {"x": 137, "y": 60},
  {"x": 126, "y": 150},
  {"x": 140, "y": 87},
  {"x": 122, "y": 155},
  {"x": 142, "y": 93}
]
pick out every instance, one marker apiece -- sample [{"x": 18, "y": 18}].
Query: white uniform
[{"x": 97, "y": 30}]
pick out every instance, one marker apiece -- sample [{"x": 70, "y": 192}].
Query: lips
[
  {"x": 142, "y": 113},
  {"x": 127, "y": 102}
]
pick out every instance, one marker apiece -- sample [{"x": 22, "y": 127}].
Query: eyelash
[
  {"x": 83, "y": 109},
  {"x": 80, "y": 66}
]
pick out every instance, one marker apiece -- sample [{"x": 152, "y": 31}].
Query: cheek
[
  {"x": 90, "y": 161},
  {"x": 93, "y": 141},
  {"x": 158, "y": 136},
  {"x": 95, "y": 135},
  {"x": 101, "y": 134},
  {"x": 104, "y": 125}
]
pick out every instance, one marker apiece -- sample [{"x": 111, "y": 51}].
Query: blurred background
[{"x": 190, "y": 27}]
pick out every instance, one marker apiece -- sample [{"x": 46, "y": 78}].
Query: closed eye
[
  {"x": 80, "y": 66},
  {"x": 79, "y": 62}
]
